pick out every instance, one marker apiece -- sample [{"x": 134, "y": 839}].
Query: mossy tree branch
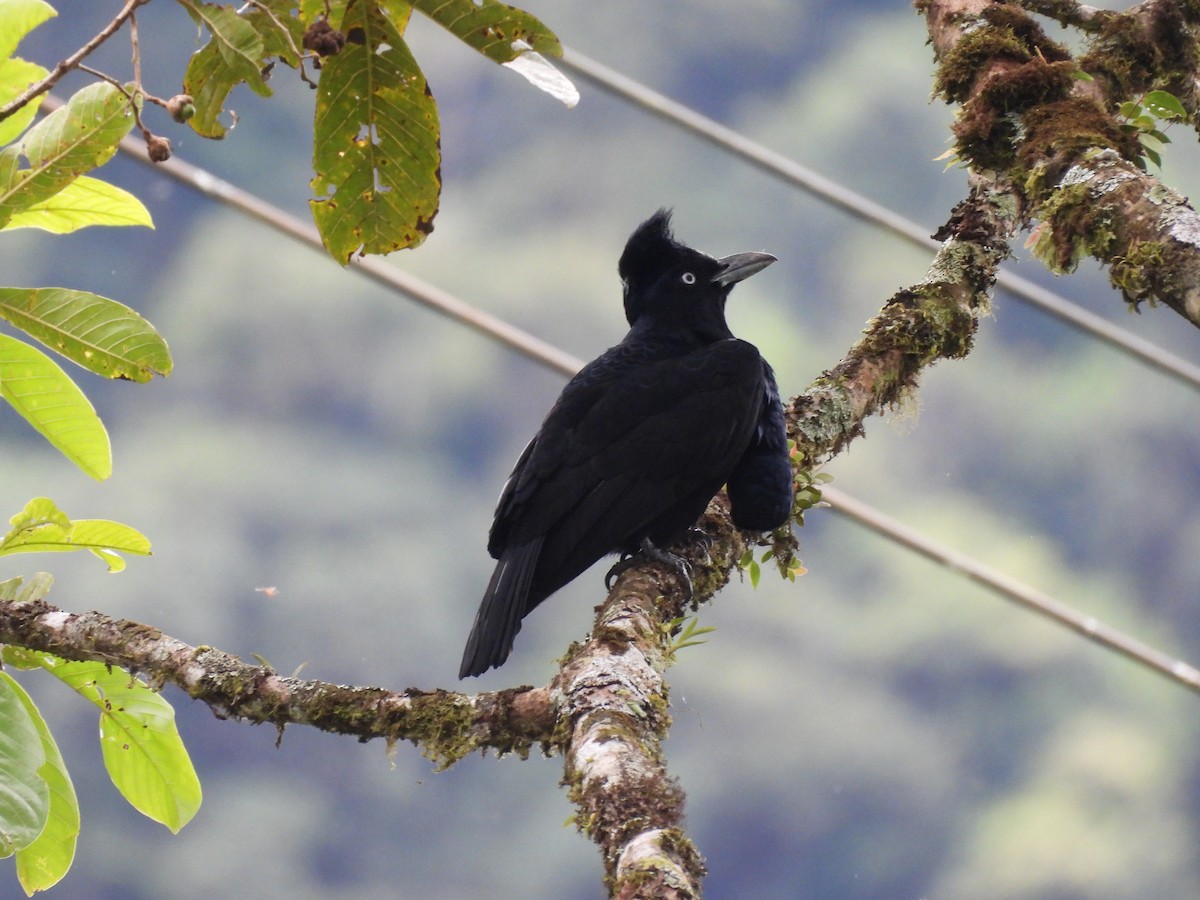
[
  {"x": 1051, "y": 140},
  {"x": 606, "y": 710}
]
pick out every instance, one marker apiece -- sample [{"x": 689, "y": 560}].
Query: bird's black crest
[{"x": 649, "y": 250}]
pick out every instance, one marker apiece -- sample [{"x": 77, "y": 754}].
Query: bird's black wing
[
  {"x": 635, "y": 446},
  {"x": 761, "y": 485},
  {"x": 636, "y": 441}
]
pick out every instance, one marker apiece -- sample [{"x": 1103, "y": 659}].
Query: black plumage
[{"x": 640, "y": 440}]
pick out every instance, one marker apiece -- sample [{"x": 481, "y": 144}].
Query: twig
[{"x": 72, "y": 61}]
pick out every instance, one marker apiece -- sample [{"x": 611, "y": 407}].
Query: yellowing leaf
[
  {"x": 51, "y": 402},
  {"x": 15, "y": 76},
  {"x": 99, "y": 334},
  {"x": 41, "y": 527},
  {"x": 17, "y": 19},
  {"x": 85, "y": 201},
  {"x": 142, "y": 750},
  {"x": 71, "y": 141}
]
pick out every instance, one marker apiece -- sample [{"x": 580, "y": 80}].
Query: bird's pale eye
[{"x": 689, "y": 278}]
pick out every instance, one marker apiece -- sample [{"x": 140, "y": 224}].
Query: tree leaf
[
  {"x": 43, "y": 863},
  {"x": 494, "y": 29},
  {"x": 85, "y": 201},
  {"x": 15, "y": 590},
  {"x": 51, "y": 402},
  {"x": 507, "y": 35},
  {"x": 1165, "y": 105},
  {"x": 142, "y": 749},
  {"x": 15, "y": 76},
  {"x": 235, "y": 54},
  {"x": 71, "y": 141},
  {"x": 24, "y": 795},
  {"x": 376, "y": 153},
  {"x": 17, "y": 19},
  {"x": 41, "y": 527},
  {"x": 99, "y": 334}
]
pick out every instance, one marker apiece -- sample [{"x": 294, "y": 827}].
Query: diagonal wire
[
  {"x": 493, "y": 327},
  {"x": 1011, "y": 589},
  {"x": 797, "y": 175}
]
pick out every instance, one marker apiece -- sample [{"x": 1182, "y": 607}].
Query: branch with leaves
[{"x": 1069, "y": 139}]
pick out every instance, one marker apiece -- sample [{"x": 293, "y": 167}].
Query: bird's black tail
[{"x": 504, "y": 605}]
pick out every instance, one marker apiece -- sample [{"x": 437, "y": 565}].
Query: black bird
[{"x": 640, "y": 440}]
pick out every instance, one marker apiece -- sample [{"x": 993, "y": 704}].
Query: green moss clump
[{"x": 1134, "y": 274}]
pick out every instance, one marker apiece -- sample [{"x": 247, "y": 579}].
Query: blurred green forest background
[{"x": 880, "y": 729}]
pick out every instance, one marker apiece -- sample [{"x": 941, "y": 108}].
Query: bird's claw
[{"x": 651, "y": 553}]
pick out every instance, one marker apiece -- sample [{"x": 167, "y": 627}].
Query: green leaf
[
  {"x": 507, "y": 35},
  {"x": 14, "y": 590},
  {"x": 51, "y": 402},
  {"x": 15, "y": 76},
  {"x": 85, "y": 201},
  {"x": 71, "y": 141},
  {"x": 1165, "y": 105},
  {"x": 99, "y": 334},
  {"x": 376, "y": 153},
  {"x": 282, "y": 33},
  {"x": 42, "y": 527},
  {"x": 17, "y": 19},
  {"x": 491, "y": 27},
  {"x": 42, "y": 864},
  {"x": 1129, "y": 109},
  {"x": 234, "y": 55},
  {"x": 24, "y": 795},
  {"x": 142, "y": 750}
]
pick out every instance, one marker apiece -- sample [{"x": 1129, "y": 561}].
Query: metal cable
[
  {"x": 797, "y": 175},
  {"x": 497, "y": 329}
]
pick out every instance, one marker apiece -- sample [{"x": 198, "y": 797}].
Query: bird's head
[{"x": 666, "y": 281}]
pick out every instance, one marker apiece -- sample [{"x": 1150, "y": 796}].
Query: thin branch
[{"x": 72, "y": 61}]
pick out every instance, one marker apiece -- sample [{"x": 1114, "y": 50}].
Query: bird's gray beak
[{"x": 741, "y": 266}]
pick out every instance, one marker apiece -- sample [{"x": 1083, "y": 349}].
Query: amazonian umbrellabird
[{"x": 640, "y": 440}]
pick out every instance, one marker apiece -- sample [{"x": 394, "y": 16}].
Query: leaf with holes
[
  {"x": 50, "y": 401},
  {"x": 376, "y": 152},
  {"x": 491, "y": 27},
  {"x": 507, "y": 35},
  {"x": 99, "y": 334},
  {"x": 235, "y": 54},
  {"x": 71, "y": 141}
]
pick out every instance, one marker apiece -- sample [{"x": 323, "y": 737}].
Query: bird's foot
[
  {"x": 650, "y": 553},
  {"x": 704, "y": 540}
]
